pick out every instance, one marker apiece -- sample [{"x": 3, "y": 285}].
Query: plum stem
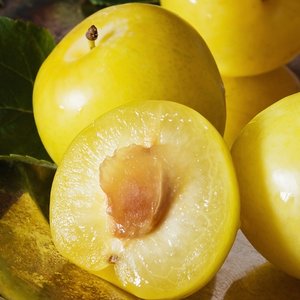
[{"x": 91, "y": 36}]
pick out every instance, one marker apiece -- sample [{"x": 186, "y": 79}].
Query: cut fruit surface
[{"x": 146, "y": 197}]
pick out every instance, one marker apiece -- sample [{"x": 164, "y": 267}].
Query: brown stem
[{"x": 91, "y": 36}]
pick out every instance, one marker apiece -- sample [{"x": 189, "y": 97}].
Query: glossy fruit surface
[
  {"x": 247, "y": 96},
  {"x": 247, "y": 38},
  {"x": 146, "y": 197},
  {"x": 143, "y": 52},
  {"x": 267, "y": 162}
]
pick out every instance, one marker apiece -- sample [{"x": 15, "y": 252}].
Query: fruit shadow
[
  {"x": 264, "y": 282},
  {"x": 206, "y": 293}
]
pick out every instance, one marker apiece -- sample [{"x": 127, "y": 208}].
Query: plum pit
[{"x": 137, "y": 190}]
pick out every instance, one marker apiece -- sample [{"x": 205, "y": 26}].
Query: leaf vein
[
  {"x": 17, "y": 109},
  {"x": 16, "y": 72},
  {"x": 31, "y": 79}
]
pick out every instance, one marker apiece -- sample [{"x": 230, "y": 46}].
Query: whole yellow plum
[
  {"x": 267, "y": 163},
  {"x": 143, "y": 52},
  {"x": 246, "y": 37},
  {"x": 249, "y": 95}
]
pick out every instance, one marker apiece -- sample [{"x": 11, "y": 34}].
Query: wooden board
[{"x": 246, "y": 275}]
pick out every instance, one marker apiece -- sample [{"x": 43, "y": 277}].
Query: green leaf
[
  {"x": 24, "y": 47},
  {"x": 115, "y": 2},
  {"x": 21, "y": 174}
]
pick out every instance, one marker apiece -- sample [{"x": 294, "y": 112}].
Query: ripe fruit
[
  {"x": 267, "y": 162},
  {"x": 146, "y": 197},
  {"x": 143, "y": 52},
  {"x": 247, "y": 96},
  {"x": 248, "y": 38}
]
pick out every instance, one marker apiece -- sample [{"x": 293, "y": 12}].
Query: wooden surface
[{"x": 245, "y": 275}]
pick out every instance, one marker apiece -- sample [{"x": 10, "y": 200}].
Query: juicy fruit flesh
[
  {"x": 196, "y": 229},
  {"x": 136, "y": 188}
]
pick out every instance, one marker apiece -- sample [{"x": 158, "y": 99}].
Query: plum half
[{"x": 146, "y": 197}]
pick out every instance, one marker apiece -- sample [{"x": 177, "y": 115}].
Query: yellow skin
[
  {"x": 267, "y": 162},
  {"x": 184, "y": 245},
  {"x": 142, "y": 52},
  {"x": 246, "y": 38},
  {"x": 247, "y": 96}
]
